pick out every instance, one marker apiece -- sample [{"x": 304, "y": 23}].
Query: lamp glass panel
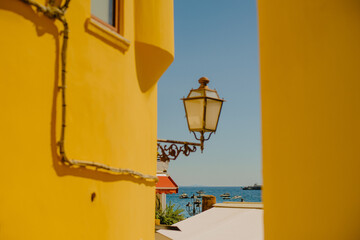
[
  {"x": 211, "y": 94},
  {"x": 195, "y": 113},
  {"x": 213, "y": 109},
  {"x": 196, "y": 93}
]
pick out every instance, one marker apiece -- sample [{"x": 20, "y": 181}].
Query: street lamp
[
  {"x": 193, "y": 207},
  {"x": 202, "y": 108}
]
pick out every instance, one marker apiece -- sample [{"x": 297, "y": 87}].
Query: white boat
[
  {"x": 225, "y": 195},
  {"x": 200, "y": 195},
  {"x": 184, "y": 195},
  {"x": 236, "y": 197}
]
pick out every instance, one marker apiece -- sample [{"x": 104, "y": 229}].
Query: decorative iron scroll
[{"x": 167, "y": 152}]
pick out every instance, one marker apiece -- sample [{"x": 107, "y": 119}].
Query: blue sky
[{"x": 218, "y": 40}]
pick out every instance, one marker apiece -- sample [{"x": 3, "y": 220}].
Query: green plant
[{"x": 170, "y": 215}]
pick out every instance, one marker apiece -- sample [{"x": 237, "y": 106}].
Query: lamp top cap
[{"x": 203, "y": 82}]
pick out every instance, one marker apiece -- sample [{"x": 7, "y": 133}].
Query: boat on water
[
  {"x": 184, "y": 195},
  {"x": 255, "y": 187},
  {"x": 225, "y": 195},
  {"x": 194, "y": 196},
  {"x": 200, "y": 193},
  {"x": 237, "y": 197},
  {"x": 226, "y": 198}
]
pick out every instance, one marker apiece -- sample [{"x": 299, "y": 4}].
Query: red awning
[{"x": 166, "y": 185}]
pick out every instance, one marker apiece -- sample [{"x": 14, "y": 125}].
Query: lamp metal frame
[{"x": 169, "y": 149}]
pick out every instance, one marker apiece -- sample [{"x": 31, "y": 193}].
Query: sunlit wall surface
[
  {"x": 111, "y": 119},
  {"x": 309, "y": 59}
]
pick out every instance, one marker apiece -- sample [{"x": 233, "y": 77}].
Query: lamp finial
[{"x": 203, "y": 82}]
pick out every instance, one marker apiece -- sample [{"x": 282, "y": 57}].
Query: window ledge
[{"x": 107, "y": 35}]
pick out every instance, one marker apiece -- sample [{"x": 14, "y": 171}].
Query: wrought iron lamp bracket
[
  {"x": 202, "y": 139},
  {"x": 170, "y": 151},
  {"x": 202, "y": 136}
]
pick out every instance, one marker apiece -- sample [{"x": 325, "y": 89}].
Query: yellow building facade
[
  {"x": 310, "y": 90},
  {"x": 111, "y": 119}
]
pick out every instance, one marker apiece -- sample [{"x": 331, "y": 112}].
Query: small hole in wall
[{"x": 93, "y": 195}]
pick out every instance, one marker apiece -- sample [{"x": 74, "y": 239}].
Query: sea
[{"x": 247, "y": 195}]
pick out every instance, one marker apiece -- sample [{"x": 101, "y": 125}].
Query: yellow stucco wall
[
  {"x": 310, "y": 89},
  {"x": 111, "y": 119}
]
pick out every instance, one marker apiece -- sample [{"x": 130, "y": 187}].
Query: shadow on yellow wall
[
  {"x": 44, "y": 25},
  {"x": 151, "y": 63}
]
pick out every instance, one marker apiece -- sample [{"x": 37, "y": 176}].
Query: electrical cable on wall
[{"x": 58, "y": 12}]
